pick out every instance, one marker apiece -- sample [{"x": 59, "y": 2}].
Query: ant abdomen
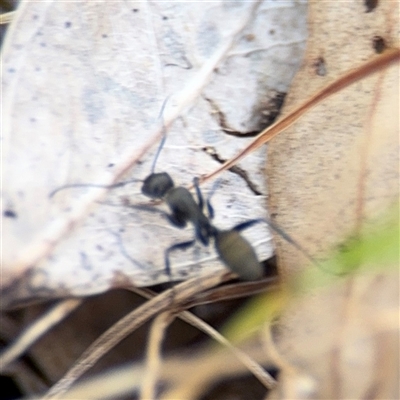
[{"x": 238, "y": 255}]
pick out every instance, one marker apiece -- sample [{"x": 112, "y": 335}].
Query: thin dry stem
[
  {"x": 36, "y": 330},
  {"x": 255, "y": 368},
  {"x": 125, "y": 380},
  {"x": 7, "y": 17},
  {"x": 300, "y": 380},
  {"x": 153, "y": 356},
  {"x": 376, "y": 64},
  {"x": 273, "y": 353},
  {"x": 129, "y": 323}
]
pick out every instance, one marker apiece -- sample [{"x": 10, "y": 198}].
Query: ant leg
[
  {"x": 182, "y": 246},
  {"x": 170, "y": 217},
  {"x": 210, "y": 208},
  {"x": 199, "y": 194},
  {"x": 277, "y": 229}
]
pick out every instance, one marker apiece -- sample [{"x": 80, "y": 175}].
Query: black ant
[{"x": 234, "y": 250}]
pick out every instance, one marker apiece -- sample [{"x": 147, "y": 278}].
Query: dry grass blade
[
  {"x": 300, "y": 380},
  {"x": 203, "y": 369},
  {"x": 272, "y": 351},
  {"x": 234, "y": 291},
  {"x": 264, "y": 377},
  {"x": 125, "y": 380},
  {"x": 129, "y": 323},
  {"x": 255, "y": 368},
  {"x": 7, "y": 17},
  {"x": 369, "y": 68},
  {"x": 153, "y": 356},
  {"x": 36, "y": 330},
  {"x": 120, "y": 381}
]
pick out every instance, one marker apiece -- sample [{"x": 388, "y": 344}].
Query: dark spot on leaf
[
  {"x": 10, "y": 214},
  {"x": 11, "y": 70},
  {"x": 104, "y": 35},
  {"x": 320, "y": 67},
  {"x": 68, "y": 24},
  {"x": 370, "y": 5},
  {"x": 110, "y": 165},
  {"x": 249, "y": 37},
  {"x": 272, "y": 109},
  {"x": 272, "y": 32},
  {"x": 34, "y": 17},
  {"x": 378, "y": 43},
  {"x": 164, "y": 18},
  {"x": 135, "y": 10},
  {"x": 32, "y": 119}
]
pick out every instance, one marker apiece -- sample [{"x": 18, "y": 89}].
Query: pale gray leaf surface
[{"x": 83, "y": 86}]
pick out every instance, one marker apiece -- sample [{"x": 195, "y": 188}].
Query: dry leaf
[
  {"x": 83, "y": 85},
  {"x": 328, "y": 176}
]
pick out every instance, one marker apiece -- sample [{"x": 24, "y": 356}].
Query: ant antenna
[
  {"x": 159, "y": 149},
  {"x": 78, "y": 185},
  {"x": 119, "y": 184},
  {"x": 164, "y": 138}
]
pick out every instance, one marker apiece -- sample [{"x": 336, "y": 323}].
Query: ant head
[{"x": 156, "y": 186}]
